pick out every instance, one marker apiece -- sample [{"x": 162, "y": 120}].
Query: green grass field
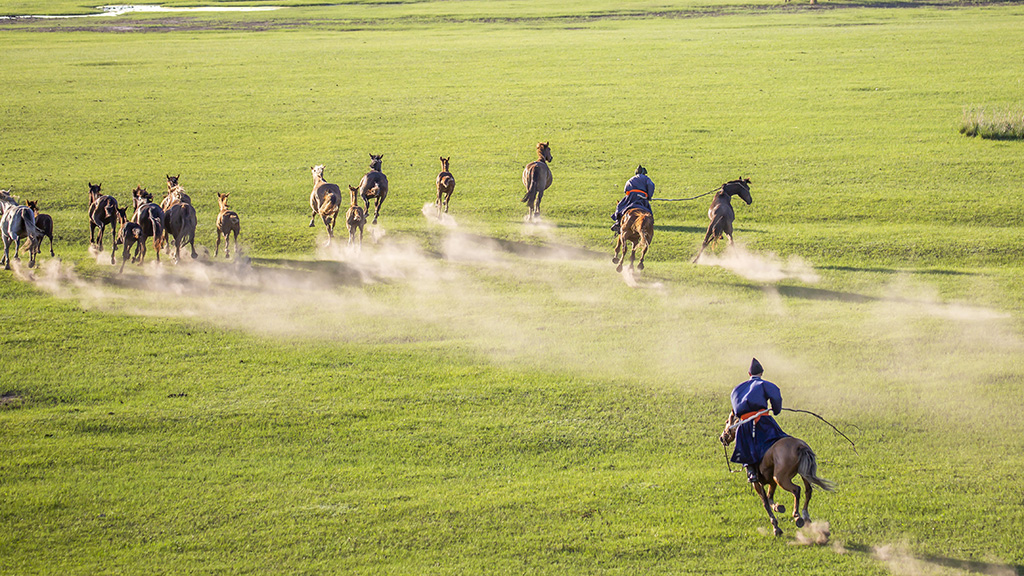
[{"x": 491, "y": 397}]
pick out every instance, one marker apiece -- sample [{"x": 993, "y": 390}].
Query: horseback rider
[
  {"x": 639, "y": 190},
  {"x": 757, "y": 433}
]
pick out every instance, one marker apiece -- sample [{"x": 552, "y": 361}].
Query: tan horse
[
  {"x": 374, "y": 185},
  {"x": 355, "y": 218},
  {"x": 227, "y": 222},
  {"x": 721, "y": 213},
  {"x": 445, "y": 186},
  {"x": 638, "y": 228},
  {"x": 787, "y": 458},
  {"x": 537, "y": 179},
  {"x": 325, "y": 200}
]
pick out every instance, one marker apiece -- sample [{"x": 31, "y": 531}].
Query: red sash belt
[
  {"x": 637, "y": 192},
  {"x": 751, "y": 414}
]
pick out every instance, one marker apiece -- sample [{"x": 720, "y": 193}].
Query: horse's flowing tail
[{"x": 808, "y": 469}]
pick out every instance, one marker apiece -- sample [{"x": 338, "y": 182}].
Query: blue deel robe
[
  {"x": 752, "y": 441},
  {"x": 636, "y": 200}
]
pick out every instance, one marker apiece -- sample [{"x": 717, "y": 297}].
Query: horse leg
[
  {"x": 216, "y": 250},
  {"x": 376, "y": 208},
  {"x": 632, "y": 256},
  {"x": 767, "y": 508},
  {"x": 643, "y": 253},
  {"x": 807, "y": 501},
  {"x": 707, "y": 240},
  {"x": 788, "y": 485},
  {"x": 51, "y": 246}
]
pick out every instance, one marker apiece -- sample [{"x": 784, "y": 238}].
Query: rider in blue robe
[
  {"x": 754, "y": 438},
  {"x": 638, "y": 193}
]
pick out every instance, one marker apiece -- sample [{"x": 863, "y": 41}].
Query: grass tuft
[{"x": 1007, "y": 124}]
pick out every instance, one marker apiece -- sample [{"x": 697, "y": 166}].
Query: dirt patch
[{"x": 11, "y": 400}]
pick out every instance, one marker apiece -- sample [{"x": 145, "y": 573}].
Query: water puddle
[{"x": 121, "y": 9}]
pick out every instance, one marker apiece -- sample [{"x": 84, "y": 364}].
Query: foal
[
  {"x": 325, "y": 200},
  {"x": 227, "y": 222},
  {"x": 129, "y": 235},
  {"x": 355, "y": 218},
  {"x": 44, "y": 224},
  {"x": 445, "y": 186}
]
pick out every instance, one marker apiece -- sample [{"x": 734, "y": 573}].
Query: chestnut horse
[
  {"x": 355, "y": 218},
  {"x": 721, "y": 213},
  {"x": 150, "y": 217},
  {"x": 638, "y": 228},
  {"x": 129, "y": 235},
  {"x": 445, "y": 186},
  {"x": 374, "y": 185},
  {"x": 537, "y": 179},
  {"x": 227, "y": 222},
  {"x": 786, "y": 458},
  {"x": 102, "y": 212}
]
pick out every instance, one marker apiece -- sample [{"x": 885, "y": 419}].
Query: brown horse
[
  {"x": 150, "y": 218},
  {"x": 721, "y": 213},
  {"x": 180, "y": 221},
  {"x": 129, "y": 235},
  {"x": 445, "y": 186},
  {"x": 227, "y": 222},
  {"x": 374, "y": 185},
  {"x": 537, "y": 179},
  {"x": 102, "y": 212},
  {"x": 638, "y": 228},
  {"x": 44, "y": 224},
  {"x": 325, "y": 200},
  {"x": 786, "y": 458},
  {"x": 355, "y": 218}
]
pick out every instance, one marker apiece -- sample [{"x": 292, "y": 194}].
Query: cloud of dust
[
  {"x": 429, "y": 212},
  {"x": 761, "y": 267},
  {"x": 901, "y": 562},
  {"x": 817, "y": 533}
]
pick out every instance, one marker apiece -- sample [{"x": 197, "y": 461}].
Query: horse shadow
[{"x": 973, "y": 566}]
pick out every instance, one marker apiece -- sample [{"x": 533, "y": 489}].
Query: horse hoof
[
  {"x": 799, "y": 522},
  {"x": 618, "y": 268},
  {"x": 640, "y": 266},
  {"x": 778, "y": 531},
  {"x": 780, "y": 508},
  {"x": 615, "y": 260}
]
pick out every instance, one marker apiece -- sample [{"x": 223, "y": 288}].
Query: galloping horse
[
  {"x": 374, "y": 185},
  {"x": 445, "y": 186},
  {"x": 355, "y": 218},
  {"x": 17, "y": 222},
  {"x": 44, "y": 224},
  {"x": 102, "y": 212},
  {"x": 638, "y": 228},
  {"x": 721, "y": 213},
  {"x": 180, "y": 221},
  {"x": 780, "y": 464},
  {"x": 537, "y": 179},
  {"x": 227, "y": 222},
  {"x": 325, "y": 200},
  {"x": 129, "y": 235},
  {"x": 151, "y": 218}
]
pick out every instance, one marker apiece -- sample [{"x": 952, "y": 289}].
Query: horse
[
  {"x": 445, "y": 186},
  {"x": 180, "y": 221},
  {"x": 129, "y": 235},
  {"x": 325, "y": 200},
  {"x": 787, "y": 458},
  {"x": 151, "y": 218},
  {"x": 537, "y": 179},
  {"x": 16, "y": 223},
  {"x": 374, "y": 185},
  {"x": 175, "y": 195},
  {"x": 355, "y": 218},
  {"x": 721, "y": 213},
  {"x": 227, "y": 222},
  {"x": 102, "y": 212},
  {"x": 44, "y": 224},
  {"x": 638, "y": 228}
]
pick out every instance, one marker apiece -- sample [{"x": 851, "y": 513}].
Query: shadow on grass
[
  {"x": 906, "y": 558},
  {"x": 898, "y": 271}
]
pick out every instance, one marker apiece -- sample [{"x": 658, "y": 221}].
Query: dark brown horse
[
  {"x": 180, "y": 222},
  {"x": 44, "y": 224},
  {"x": 786, "y": 459},
  {"x": 325, "y": 200},
  {"x": 227, "y": 222},
  {"x": 537, "y": 179},
  {"x": 638, "y": 228},
  {"x": 721, "y": 213},
  {"x": 374, "y": 185},
  {"x": 355, "y": 218},
  {"x": 150, "y": 218},
  {"x": 102, "y": 213},
  {"x": 445, "y": 186},
  {"x": 129, "y": 235}
]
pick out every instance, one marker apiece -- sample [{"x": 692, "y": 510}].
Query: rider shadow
[{"x": 972, "y": 566}]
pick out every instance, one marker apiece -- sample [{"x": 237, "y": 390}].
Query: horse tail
[{"x": 808, "y": 469}]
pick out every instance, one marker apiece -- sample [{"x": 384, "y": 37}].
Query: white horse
[{"x": 17, "y": 222}]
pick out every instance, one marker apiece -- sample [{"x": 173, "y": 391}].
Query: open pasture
[{"x": 487, "y": 396}]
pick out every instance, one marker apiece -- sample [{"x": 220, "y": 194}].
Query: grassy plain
[{"x": 492, "y": 397}]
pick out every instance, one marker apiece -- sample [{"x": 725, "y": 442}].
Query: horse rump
[{"x": 808, "y": 469}]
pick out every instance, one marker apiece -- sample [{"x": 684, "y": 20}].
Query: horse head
[
  {"x": 318, "y": 171},
  {"x": 172, "y": 181},
  {"x": 543, "y": 151},
  {"x": 222, "y": 199},
  {"x": 376, "y": 162},
  {"x": 740, "y": 187},
  {"x": 141, "y": 196},
  {"x": 34, "y": 205},
  {"x": 444, "y": 163},
  {"x": 94, "y": 192},
  {"x": 729, "y": 433}
]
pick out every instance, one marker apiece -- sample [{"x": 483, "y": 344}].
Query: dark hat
[
  {"x": 640, "y": 169},
  {"x": 755, "y": 367}
]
